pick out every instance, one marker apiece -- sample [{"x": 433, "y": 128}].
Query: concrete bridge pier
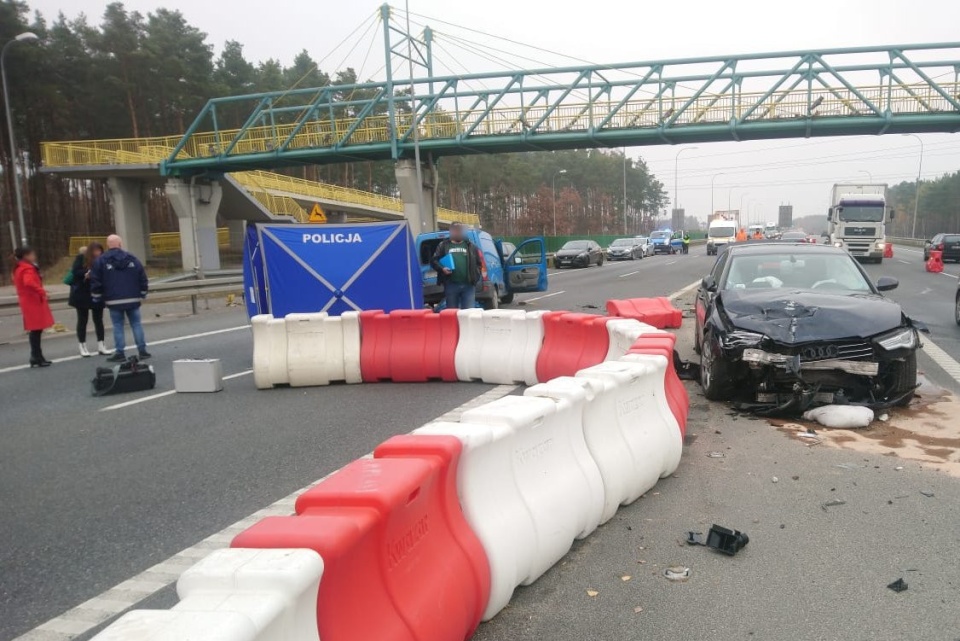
[
  {"x": 128, "y": 202},
  {"x": 196, "y": 206},
  {"x": 419, "y": 198}
]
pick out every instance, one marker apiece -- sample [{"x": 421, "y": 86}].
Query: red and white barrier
[
  {"x": 527, "y": 484},
  {"x": 408, "y": 346},
  {"x": 322, "y": 348},
  {"x": 235, "y": 595},
  {"x": 623, "y": 333},
  {"x": 658, "y": 312},
  {"x": 269, "y": 351},
  {"x": 499, "y": 346}
]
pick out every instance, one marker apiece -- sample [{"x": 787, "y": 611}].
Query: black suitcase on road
[{"x": 129, "y": 376}]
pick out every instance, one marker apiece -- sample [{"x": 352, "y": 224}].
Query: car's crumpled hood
[{"x": 791, "y": 316}]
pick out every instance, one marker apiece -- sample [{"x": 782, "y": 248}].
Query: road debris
[
  {"x": 775, "y": 480},
  {"x": 929, "y": 495},
  {"x": 832, "y": 503},
  {"x": 841, "y": 416},
  {"x": 592, "y": 593},
  {"x": 725, "y": 540},
  {"x": 695, "y": 538},
  {"x": 677, "y": 573},
  {"x": 715, "y": 455},
  {"x": 898, "y": 586}
]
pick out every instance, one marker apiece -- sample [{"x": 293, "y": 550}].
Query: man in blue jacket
[{"x": 119, "y": 280}]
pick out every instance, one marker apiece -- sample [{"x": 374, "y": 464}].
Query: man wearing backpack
[{"x": 119, "y": 280}]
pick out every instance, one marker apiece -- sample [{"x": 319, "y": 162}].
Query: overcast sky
[{"x": 762, "y": 175}]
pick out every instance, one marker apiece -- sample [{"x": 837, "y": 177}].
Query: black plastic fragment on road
[
  {"x": 686, "y": 370},
  {"x": 695, "y": 538},
  {"x": 725, "y": 540},
  {"x": 898, "y": 586}
]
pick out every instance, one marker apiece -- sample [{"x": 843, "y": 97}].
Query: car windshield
[
  {"x": 660, "y": 234},
  {"x": 722, "y": 232},
  {"x": 801, "y": 270},
  {"x": 862, "y": 213},
  {"x": 576, "y": 244},
  {"x": 622, "y": 242},
  {"x": 641, "y": 240}
]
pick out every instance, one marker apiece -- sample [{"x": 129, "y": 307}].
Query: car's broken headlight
[
  {"x": 741, "y": 338},
  {"x": 903, "y": 338}
]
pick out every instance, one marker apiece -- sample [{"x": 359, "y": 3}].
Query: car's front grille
[{"x": 847, "y": 351}]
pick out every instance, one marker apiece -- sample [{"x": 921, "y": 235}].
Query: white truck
[
  {"x": 720, "y": 233},
  {"x": 857, "y": 218}
]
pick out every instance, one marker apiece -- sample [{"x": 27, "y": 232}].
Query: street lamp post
[
  {"x": 624, "y": 191},
  {"x": 26, "y": 36},
  {"x": 711, "y": 193},
  {"x": 740, "y": 211},
  {"x": 557, "y": 173},
  {"x": 676, "y": 180},
  {"x": 916, "y": 196},
  {"x": 869, "y": 175}
]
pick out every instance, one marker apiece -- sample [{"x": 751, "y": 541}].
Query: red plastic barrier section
[
  {"x": 408, "y": 346},
  {"x": 935, "y": 263},
  {"x": 658, "y": 312},
  {"x": 888, "y": 250},
  {"x": 677, "y": 397},
  {"x": 571, "y": 342},
  {"x": 400, "y": 561}
]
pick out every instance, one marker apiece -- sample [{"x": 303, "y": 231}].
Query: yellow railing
[
  {"x": 161, "y": 243},
  {"x": 262, "y": 185},
  {"x": 639, "y": 112}
]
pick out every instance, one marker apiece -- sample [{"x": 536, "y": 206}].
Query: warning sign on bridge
[{"x": 317, "y": 214}]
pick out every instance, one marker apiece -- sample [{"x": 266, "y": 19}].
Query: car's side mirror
[
  {"x": 708, "y": 284},
  {"x": 886, "y": 283},
  {"x": 893, "y": 213},
  {"x": 518, "y": 259},
  {"x": 927, "y": 243}
]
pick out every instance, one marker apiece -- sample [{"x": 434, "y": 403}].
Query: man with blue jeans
[
  {"x": 119, "y": 280},
  {"x": 459, "y": 269}
]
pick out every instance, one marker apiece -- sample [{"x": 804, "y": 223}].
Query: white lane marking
[
  {"x": 677, "y": 294},
  {"x": 949, "y": 275},
  {"x": 122, "y": 596},
  {"x": 165, "y": 341},
  {"x": 628, "y": 274},
  {"x": 905, "y": 262},
  {"x": 136, "y": 401},
  {"x": 670, "y": 263},
  {"x": 901, "y": 248},
  {"x": 154, "y": 397},
  {"x": 941, "y": 358},
  {"x": 530, "y": 300}
]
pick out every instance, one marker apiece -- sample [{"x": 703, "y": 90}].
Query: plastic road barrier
[
  {"x": 623, "y": 333},
  {"x": 888, "y": 249},
  {"x": 323, "y": 348},
  {"x": 499, "y": 346},
  {"x": 394, "y": 566},
  {"x": 527, "y": 484},
  {"x": 677, "y": 397},
  {"x": 570, "y": 343},
  {"x": 658, "y": 312},
  {"x": 934, "y": 264},
  {"x": 408, "y": 346},
  {"x": 269, "y": 351},
  {"x": 235, "y": 595}
]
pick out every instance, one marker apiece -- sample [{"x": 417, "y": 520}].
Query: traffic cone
[
  {"x": 888, "y": 250},
  {"x": 935, "y": 264}
]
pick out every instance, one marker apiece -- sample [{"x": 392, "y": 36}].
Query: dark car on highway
[
  {"x": 625, "y": 249},
  {"x": 578, "y": 253},
  {"x": 949, "y": 244},
  {"x": 787, "y": 326}
]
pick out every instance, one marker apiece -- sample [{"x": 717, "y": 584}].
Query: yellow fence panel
[{"x": 161, "y": 243}]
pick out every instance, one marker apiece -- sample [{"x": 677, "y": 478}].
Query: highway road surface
[{"x": 128, "y": 491}]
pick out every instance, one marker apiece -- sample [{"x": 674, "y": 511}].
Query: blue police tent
[{"x": 331, "y": 268}]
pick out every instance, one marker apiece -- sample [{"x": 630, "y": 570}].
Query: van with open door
[{"x": 507, "y": 269}]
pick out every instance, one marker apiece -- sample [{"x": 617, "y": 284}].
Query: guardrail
[
  {"x": 909, "y": 242},
  {"x": 159, "y": 291},
  {"x": 161, "y": 243}
]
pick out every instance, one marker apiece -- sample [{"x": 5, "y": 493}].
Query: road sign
[{"x": 317, "y": 215}]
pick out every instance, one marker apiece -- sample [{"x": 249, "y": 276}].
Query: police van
[{"x": 507, "y": 270}]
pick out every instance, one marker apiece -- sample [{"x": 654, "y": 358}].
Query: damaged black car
[{"x": 789, "y": 326}]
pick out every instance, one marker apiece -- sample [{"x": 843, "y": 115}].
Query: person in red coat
[{"x": 33, "y": 302}]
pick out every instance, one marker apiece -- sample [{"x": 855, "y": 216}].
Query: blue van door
[{"x": 526, "y": 267}]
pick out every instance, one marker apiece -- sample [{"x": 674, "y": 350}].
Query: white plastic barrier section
[
  {"x": 323, "y": 348},
  {"x": 527, "y": 484},
  {"x": 499, "y": 346},
  {"x": 624, "y": 332},
  {"x": 235, "y": 595},
  {"x": 627, "y": 425},
  {"x": 269, "y": 351}
]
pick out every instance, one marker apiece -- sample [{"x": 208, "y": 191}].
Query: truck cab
[
  {"x": 858, "y": 217},
  {"x": 507, "y": 269}
]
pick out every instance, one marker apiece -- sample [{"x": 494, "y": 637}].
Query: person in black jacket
[
  {"x": 81, "y": 299},
  {"x": 119, "y": 280},
  {"x": 459, "y": 280}
]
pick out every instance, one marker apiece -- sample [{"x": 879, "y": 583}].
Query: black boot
[{"x": 39, "y": 361}]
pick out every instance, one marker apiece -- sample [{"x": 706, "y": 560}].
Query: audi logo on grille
[{"x": 819, "y": 352}]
